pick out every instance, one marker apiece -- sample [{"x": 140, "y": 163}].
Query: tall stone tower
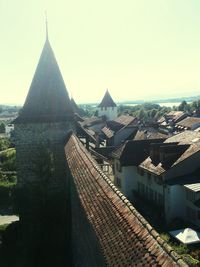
[
  {"x": 41, "y": 129},
  {"x": 107, "y": 107}
]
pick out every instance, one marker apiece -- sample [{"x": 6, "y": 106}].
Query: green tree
[{"x": 2, "y": 128}]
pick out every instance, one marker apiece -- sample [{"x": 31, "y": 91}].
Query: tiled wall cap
[
  {"x": 181, "y": 263},
  {"x": 167, "y": 247},
  {"x": 160, "y": 240},
  {"x": 175, "y": 255},
  {"x": 154, "y": 233},
  {"x": 149, "y": 227}
]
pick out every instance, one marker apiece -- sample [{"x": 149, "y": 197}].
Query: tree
[{"x": 2, "y": 128}]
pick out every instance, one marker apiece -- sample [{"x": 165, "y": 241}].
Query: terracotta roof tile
[{"x": 125, "y": 237}]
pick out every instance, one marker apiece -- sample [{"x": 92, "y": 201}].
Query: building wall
[
  {"x": 43, "y": 188},
  {"x": 174, "y": 202},
  {"x": 191, "y": 212},
  {"x": 128, "y": 180},
  {"x": 41, "y": 168},
  {"x": 109, "y": 112}
]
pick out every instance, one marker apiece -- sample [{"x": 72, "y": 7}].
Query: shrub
[{"x": 190, "y": 261}]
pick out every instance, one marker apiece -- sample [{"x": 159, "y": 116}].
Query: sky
[{"x": 137, "y": 49}]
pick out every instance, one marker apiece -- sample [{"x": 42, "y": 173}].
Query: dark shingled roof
[
  {"x": 107, "y": 101},
  {"x": 189, "y": 122},
  {"x": 125, "y": 237},
  {"x": 190, "y": 138},
  {"x": 47, "y": 99},
  {"x": 125, "y": 119},
  {"x": 133, "y": 152},
  {"x": 149, "y": 133}
]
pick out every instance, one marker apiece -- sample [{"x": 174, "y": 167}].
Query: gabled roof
[
  {"x": 190, "y": 138},
  {"x": 47, "y": 99},
  {"x": 125, "y": 119},
  {"x": 149, "y": 133},
  {"x": 107, "y": 101},
  {"x": 189, "y": 122},
  {"x": 125, "y": 237},
  {"x": 133, "y": 152}
]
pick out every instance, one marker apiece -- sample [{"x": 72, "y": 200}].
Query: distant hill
[{"x": 163, "y": 100}]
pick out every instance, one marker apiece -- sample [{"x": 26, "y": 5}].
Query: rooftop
[
  {"x": 47, "y": 99},
  {"x": 190, "y": 138},
  {"x": 189, "y": 122},
  {"x": 126, "y": 238},
  {"x": 107, "y": 101}
]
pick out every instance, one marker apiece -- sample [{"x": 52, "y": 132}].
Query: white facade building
[{"x": 107, "y": 107}]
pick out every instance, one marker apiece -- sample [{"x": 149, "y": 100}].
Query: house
[
  {"x": 127, "y": 158},
  {"x": 149, "y": 133},
  {"x": 173, "y": 166},
  {"x": 107, "y": 107},
  {"x": 168, "y": 121},
  {"x": 189, "y": 123},
  {"x": 119, "y": 130}
]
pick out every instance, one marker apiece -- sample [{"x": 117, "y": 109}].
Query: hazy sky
[{"x": 138, "y": 49}]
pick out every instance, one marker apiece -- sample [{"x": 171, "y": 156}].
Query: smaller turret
[{"x": 107, "y": 107}]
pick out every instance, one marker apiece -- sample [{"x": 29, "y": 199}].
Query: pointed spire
[
  {"x": 46, "y": 21},
  {"x": 107, "y": 101},
  {"x": 47, "y": 99}
]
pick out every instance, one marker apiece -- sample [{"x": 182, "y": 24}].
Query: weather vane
[{"x": 46, "y": 25}]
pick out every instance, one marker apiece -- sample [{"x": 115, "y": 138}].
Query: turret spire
[{"x": 47, "y": 35}]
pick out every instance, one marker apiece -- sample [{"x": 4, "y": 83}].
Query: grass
[{"x": 3, "y": 227}]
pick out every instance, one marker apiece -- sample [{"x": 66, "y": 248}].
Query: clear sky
[{"x": 138, "y": 49}]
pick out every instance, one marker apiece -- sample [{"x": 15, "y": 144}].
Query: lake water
[{"x": 167, "y": 104}]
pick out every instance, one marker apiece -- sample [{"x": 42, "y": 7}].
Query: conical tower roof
[
  {"x": 107, "y": 101},
  {"x": 74, "y": 106},
  {"x": 47, "y": 99}
]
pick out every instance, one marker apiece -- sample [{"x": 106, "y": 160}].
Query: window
[
  {"x": 190, "y": 195},
  {"x": 149, "y": 175},
  {"x": 160, "y": 199},
  {"x": 191, "y": 214},
  {"x": 155, "y": 197},
  {"x": 141, "y": 189},
  {"x": 150, "y": 194},
  {"x": 147, "y": 192},
  {"x": 118, "y": 182},
  {"x": 118, "y": 167},
  {"x": 140, "y": 171},
  {"x": 198, "y": 214}
]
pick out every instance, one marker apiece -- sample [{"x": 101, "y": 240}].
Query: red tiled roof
[
  {"x": 125, "y": 237},
  {"x": 108, "y": 133}
]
